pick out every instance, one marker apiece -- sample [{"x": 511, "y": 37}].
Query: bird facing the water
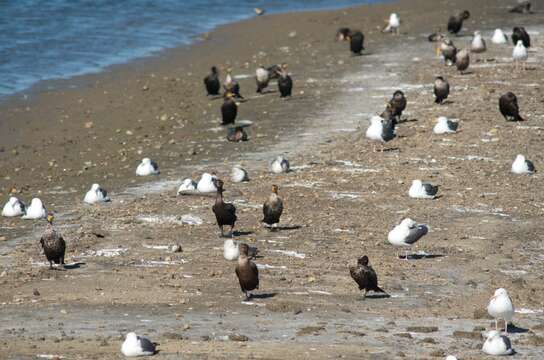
[
  {"x": 520, "y": 55},
  {"x": 365, "y": 276},
  {"x": 212, "y": 83},
  {"x": 462, "y": 60},
  {"x": 279, "y": 165},
  {"x": 247, "y": 272},
  {"x": 393, "y": 24},
  {"x": 272, "y": 208},
  {"x": 53, "y": 243},
  {"x": 380, "y": 129},
  {"x": 231, "y": 85},
  {"x": 356, "y": 42},
  {"x": 229, "y": 109},
  {"x": 225, "y": 213}
]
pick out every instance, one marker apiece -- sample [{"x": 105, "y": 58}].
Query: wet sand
[{"x": 341, "y": 199}]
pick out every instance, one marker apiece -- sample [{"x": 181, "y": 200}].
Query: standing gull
[
  {"x": 455, "y": 22},
  {"x": 522, "y": 166},
  {"x": 53, "y": 244},
  {"x": 211, "y": 81},
  {"x": 441, "y": 90},
  {"x": 147, "y": 167},
  {"x": 421, "y": 190},
  {"x": 36, "y": 210},
  {"x": 382, "y": 130},
  {"x": 225, "y": 213},
  {"x": 95, "y": 195},
  {"x": 445, "y": 126},
  {"x": 478, "y": 43},
  {"x": 272, "y": 208},
  {"x": 247, "y": 272},
  {"x": 462, "y": 60},
  {"x": 448, "y": 51},
  {"x": 14, "y": 207},
  {"x": 393, "y": 24},
  {"x": 520, "y": 54},
  {"x": 499, "y": 37},
  {"x": 365, "y": 276},
  {"x": 135, "y": 345},
  {"x": 407, "y": 233},
  {"x": 356, "y": 42},
  {"x": 500, "y": 307},
  {"x": 497, "y": 344}
]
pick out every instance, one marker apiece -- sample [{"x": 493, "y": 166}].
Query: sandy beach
[{"x": 341, "y": 199}]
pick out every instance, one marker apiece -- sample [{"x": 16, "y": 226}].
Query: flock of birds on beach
[{"x": 382, "y": 129}]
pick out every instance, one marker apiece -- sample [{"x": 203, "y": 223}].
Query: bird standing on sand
[
  {"x": 229, "y": 109},
  {"x": 455, "y": 22},
  {"x": 497, "y": 344},
  {"x": 36, "y": 210},
  {"x": 380, "y": 129},
  {"x": 272, "y": 208},
  {"x": 393, "y": 24},
  {"x": 247, "y": 272},
  {"x": 262, "y": 77},
  {"x": 407, "y": 233},
  {"x": 53, "y": 244},
  {"x": 397, "y": 104},
  {"x": 147, "y": 167},
  {"x": 212, "y": 83},
  {"x": 135, "y": 345},
  {"x": 441, "y": 89},
  {"x": 501, "y": 307},
  {"x": 508, "y": 106},
  {"x": 445, "y": 126},
  {"x": 225, "y": 213},
  {"x": 356, "y": 42},
  {"x": 285, "y": 83},
  {"x": 232, "y": 85},
  {"x": 499, "y": 37},
  {"x": 522, "y": 166},
  {"x": 519, "y": 33},
  {"x": 421, "y": 190},
  {"x": 520, "y": 55},
  {"x": 95, "y": 195},
  {"x": 448, "y": 51},
  {"x": 14, "y": 207},
  {"x": 462, "y": 60},
  {"x": 365, "y": 276},
  {"x": 478, "y": 43}
]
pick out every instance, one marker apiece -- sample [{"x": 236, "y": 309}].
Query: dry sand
[{"x": 341, "y": 199}]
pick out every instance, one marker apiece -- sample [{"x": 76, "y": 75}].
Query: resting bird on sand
[
  {"x": 14, "y": 207},
  {"x": 499, "y": 37},
  {"x": 225, "y": 213},
  {"x": 397, "y": 104},
  {"x": 441, "y": 89},
  {"x": 279, "y": 165},
  {"x": 523, "y": 7},
  {"x": 497, "y": 344},
  {"x": 232, "y": 85},
  {"x": 407, "y": 233},
  {"x": 478, "y": 43},
  {"x": 356, "y": 42},
  {"x": 342, "y": 34},
  {"x": 147, "y": 167},
  {"x": 448, "y": 51},
  {"x": 455, "y": 22},
  {"x": 519, "y": 33},
  {"x": 247, "y": 272},
  {"x": 206, "y": 184},
  {"x": 96, "y": 195},
  {"x": 365, "y": 276},
  {"x": 238, "y": 174},
  {"x": 285, "y": 83},
  {"x": 187, "y": 185},
  {"x": 445, "y": 126},
  {"x": 421, "y": 190},
  {"x": 508, "y": 106},
  {"x": 462, "y": 60},
  {"x": 36, "y": 210},
  {"x": 212, "y": 83},
  {"x": 262, "y": 77},
  {"x": 53, "y": 244},
  {"x": 135, "y": 345},
  {"x": 229, "y": 109},
  {"x": 522, "y": 166},
  {"x": 393, "y": 24},
  {"x": 500, "y": 307},
  {"x": 272, "y": 208},
  {"x": 382, "y": 130}
]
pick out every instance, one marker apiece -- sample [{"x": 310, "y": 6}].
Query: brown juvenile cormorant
[
  {"x": 247, "y": 272},
  {"x": 225, "y": 213},
  {"x": 229, "y": 109},
  {"x": 441, "y": 89},
  {"x": 285, "y": 83},
  {"x": 272, "y": 208},
  {"x": 356, "y": 40},
  {"x": 365, "y": 276},
  {"x": 508, "y": 105}
]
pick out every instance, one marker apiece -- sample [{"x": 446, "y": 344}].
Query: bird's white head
[
  {"x": 451, "y": 357},
  {"x": 492, "y": 334},
  {"x": 442, "y": 119},
  {"x": 407, "y": 222},
  {"x": 35, "y": 202},
  {"x": 131, "y": 336},
  {"x": 519, "y": 44},
  {"x": 206, "y": 176},
  {"x": 187, "y": 181},
  {"x": 95, "y": 187},
  {"x": 417, "y": 183},
  {"x": 520, "y": 158},
  {"x": 393, "y": 17},
  {"x": 12, "y": 200},
  {"x": 477, "y": 33},
  {"x": 501, "y": 292},
  {"x": 146, "y": 160}
]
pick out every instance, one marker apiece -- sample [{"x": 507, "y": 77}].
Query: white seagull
[
  {"x": 445, "y": 126},
  {"x": 519, "y": 54},
  {"x": 501, "y": 307},
  {"x": 497, "y": 344},
  {"x": 393, "y": 24},
  {"x": 499, "y": 37},
  {"x": 522, "y": 165},
  {"x": 206, "y": 183},
  {"x": 407, "y": 233},
  {"x": 380, "y": 130},
  {"x": 421, "y": 190},
  {"x": 135, "y": 345},
  {"x": 279, "y": 165},
  {"x": 187, "y": 185},
  {"x": 238, "y": 174},
  {"x": 231, "y": 250},
  {"x": 147, "y": 167},
  {"x": 96, "y": 195},
  {"x": 478, "y": 43},
  {"x": 36, "y": 210},
  {"x": 14, "y": 207},
  {"x": 451, "y": 357}
]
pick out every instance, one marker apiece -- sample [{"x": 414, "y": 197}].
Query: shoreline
[{"x": 343, "y": 196}]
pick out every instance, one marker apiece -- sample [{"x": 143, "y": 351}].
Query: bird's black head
[
  {"x": 465, "y": 14},
  {"x": 398, "y": 94},
  {"x": 363, "y": 260},
  {"x": 439, "y": 78},
  {"x": 244, "y": 249},
  {"x": 214, "y": 69},
  {"x": 218, "y": 184}
]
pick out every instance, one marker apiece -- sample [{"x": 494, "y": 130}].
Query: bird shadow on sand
[
  {"x": 241, "y": 233},
  {"x": 73, "y": 266},
  {"x": 402, "y": 121},
  {"x": 420, "y": 256},
  {"x": 516, "y": 330},
  {"x": 263, "y": 296},
  {"x": 376, "y": 296},
  {"x": 283, "y": 228}
]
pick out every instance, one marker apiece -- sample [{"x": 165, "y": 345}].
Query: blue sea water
[{"x": 56, "y": 39}]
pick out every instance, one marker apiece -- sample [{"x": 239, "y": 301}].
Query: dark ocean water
[{"x": 56, "y": 39}]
